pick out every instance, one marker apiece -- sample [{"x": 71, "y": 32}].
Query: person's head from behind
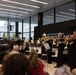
[
  {"x": 64, "y": 70},
  {"x": 60, "y": 71},
  {"x": 15, "y": 64},
  {"x": 33, "y": 59},
  {"x": 74, "y": 71},
  {"x": 16, "y": 48}
]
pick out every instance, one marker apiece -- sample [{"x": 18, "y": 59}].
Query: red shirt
[{"x": 39, "y": 70}]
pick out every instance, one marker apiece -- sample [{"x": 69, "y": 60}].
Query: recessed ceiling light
[
  {"x": 72, "y": 10},
  {"x": 39, "y": 2},
  {"x": 14, "y": 11},
  {"x": 20, "y": 3},
  {"x": 67, "y": 13},
  {"x": 10, "y": 13},
  {"x": 15, "y": 7}
]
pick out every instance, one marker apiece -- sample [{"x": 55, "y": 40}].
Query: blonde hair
[
  {"x": 74, "y": 71},
  {"x": 33, "y": 59}
]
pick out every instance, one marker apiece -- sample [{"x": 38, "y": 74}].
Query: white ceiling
[{"x": 16, "y": 10}]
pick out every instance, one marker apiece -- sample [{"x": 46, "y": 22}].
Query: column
[
  {"x": 8, "y": 29},
  {"x": 29, "y": 28},
  {"x": 54, "y": 15},
  {"x": 22, "y": 29},
  {"x": 16, "y": 29},
  {"x": 40, "y": 23}
]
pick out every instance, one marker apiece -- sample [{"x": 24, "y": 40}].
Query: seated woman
[
  {"x": 36, "y": 65},
  {"x": 15, "y": 64}
]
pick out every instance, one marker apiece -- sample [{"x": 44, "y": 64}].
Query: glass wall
[
  {"x": 3, "y": 27},
  {"x": 12, "y": 26},
  {"x": 34, "y": 23},
  {"x": 26, "y": 35},
  {"x": 12, "y": 29},
  {"x": 65, "y": 12},
  {"x": 48, "y": 17},
  {"x": 26, "y": 28}
]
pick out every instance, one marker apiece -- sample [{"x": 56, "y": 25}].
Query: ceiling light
[
  {"x": 13, "y": 11},
  {"x": 15, "y": 7},
  {"x": 65, "y": 16},
  {"x": 67, "y": 13},
  {"x": 39, "y": 2},
  {"x": 20, "y": 3},
  {"x": 72, "y": 10},
  {"x": 10, "y": 13}
]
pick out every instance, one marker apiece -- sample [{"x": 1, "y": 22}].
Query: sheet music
[{"x": 46, "y": 45}]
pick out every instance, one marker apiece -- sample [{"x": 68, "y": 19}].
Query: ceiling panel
[{"x": 19, "y": 6}]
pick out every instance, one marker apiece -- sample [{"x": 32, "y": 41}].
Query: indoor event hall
[{"x": 37, "y": 37}]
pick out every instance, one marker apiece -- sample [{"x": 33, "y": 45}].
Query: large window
[
  {"x": 48, "y": 17},
  {"x": 26, "y": 25},
  {"x": 34, "y": 23},
  {"x": 65, "y": 12},
  {"x": 12, "y": 29},
  {"x": 12, "y": 26},
  {"x": 26, "y": 28},
  {"x": 26, "y": 35},
  {"x": 3, "y": 25},
  {"x": 12, "y": 35}
]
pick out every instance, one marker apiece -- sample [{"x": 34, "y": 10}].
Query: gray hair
[{"x": 65, "y": 70}]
